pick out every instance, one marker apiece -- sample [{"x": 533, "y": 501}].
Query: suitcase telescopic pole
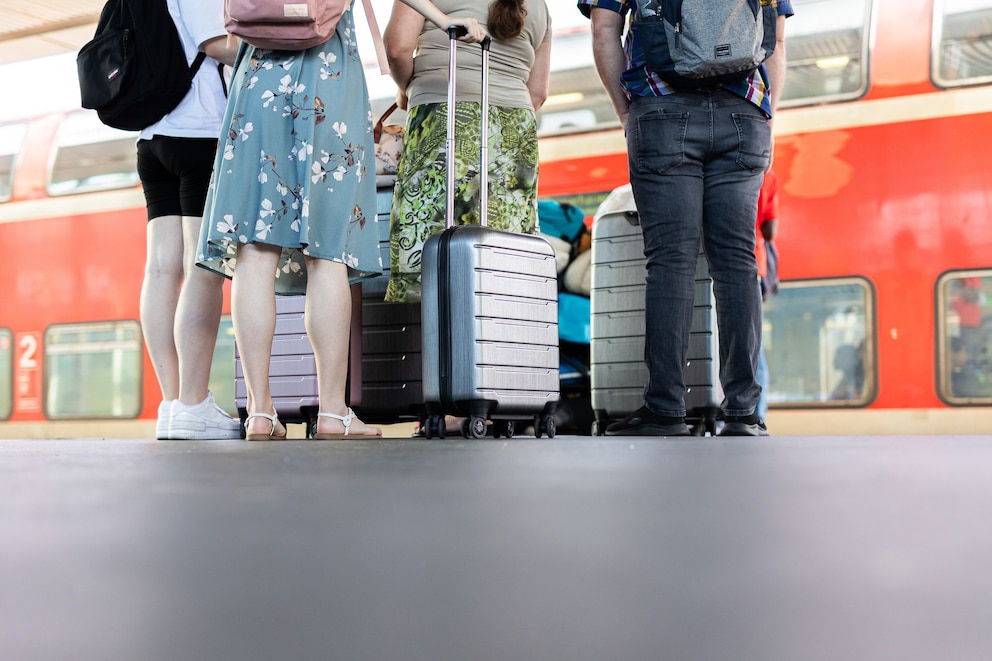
[{"x": 453, "y": 33}]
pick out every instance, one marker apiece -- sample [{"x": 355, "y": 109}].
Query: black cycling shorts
[{"x": 175, "y": 173}]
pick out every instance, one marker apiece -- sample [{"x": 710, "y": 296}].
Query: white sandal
[
  {"x": 271, "y": 436},
  {"x": 346, "y": 420}
]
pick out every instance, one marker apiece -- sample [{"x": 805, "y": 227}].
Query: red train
[{"x": 883, "y": 324}]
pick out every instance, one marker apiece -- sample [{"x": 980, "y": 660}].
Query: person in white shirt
[{"x": 181, "y": 304}]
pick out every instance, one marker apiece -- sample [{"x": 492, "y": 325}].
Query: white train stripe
[
  {"x": 830, "y": 117},
  {"x": 73, "y": 205}
]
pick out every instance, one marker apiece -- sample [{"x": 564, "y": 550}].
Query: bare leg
[
  {"x": 197, "y": 319},
  {"x": 253, "y": 309},
  {"x": 159, "y": 297},
  {"x": 328, "y": 321}
]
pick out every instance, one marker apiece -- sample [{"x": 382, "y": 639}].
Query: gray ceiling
[{"x": 36, "y": 28}]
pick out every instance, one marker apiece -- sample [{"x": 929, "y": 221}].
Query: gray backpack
[{"x": 694, "y": 43}]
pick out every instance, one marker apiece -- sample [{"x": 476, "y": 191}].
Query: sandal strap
[
  {"x": 346, "y": 420},
  {"x": 274, "y": 419}
]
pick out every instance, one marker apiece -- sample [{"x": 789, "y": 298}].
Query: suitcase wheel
[
  {"x": 503, "y": 428},
  {"x": 434, "y": 427},
  {"x": 544, "y": 425},
  {"x": 474, "y": 427},
  {"x": 600, "y": 423}
]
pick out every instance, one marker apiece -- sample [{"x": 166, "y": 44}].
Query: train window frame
[
  {"x": 866, "y": 349},
  {"x": 125, "y": 399},
  {"x": 6, "y": 373},
  {"x": 945, "y": 331},
  {"x": 937, "y": 50},
  {"x": 12, "y": 137},
  {"x": 83, "y": 128},
  {"x": 828, "y": 62}
]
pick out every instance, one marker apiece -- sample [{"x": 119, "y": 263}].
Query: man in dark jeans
[{"x": 703, "y": 152}]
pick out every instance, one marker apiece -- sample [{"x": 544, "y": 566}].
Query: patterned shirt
[{"x": 638, "y": 80}]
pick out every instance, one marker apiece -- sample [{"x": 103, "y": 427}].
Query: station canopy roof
[{"x": 38, "y": 28}]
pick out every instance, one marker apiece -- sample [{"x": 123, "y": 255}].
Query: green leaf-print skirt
[{"x": 419, "y": 197}]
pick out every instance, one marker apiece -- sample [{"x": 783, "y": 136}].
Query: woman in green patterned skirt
[{"x": 520, "y": 59}]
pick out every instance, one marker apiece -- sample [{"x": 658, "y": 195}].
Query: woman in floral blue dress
[{"x": 291, "y": 209}]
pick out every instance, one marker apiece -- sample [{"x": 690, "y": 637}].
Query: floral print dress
[{"x": 293, "y": 167}]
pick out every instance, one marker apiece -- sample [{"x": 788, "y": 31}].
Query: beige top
[{"x": 510, "y": 62}]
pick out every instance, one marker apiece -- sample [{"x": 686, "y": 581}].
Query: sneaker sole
[
  {"x": 652, "y": 430},
  {"x": 742, "y": 429},
  {"x": 202, "y": 433},
  {"x": 185, "y": 435}
]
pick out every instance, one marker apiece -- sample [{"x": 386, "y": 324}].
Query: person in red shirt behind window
[{"x": 967, "y": 303}]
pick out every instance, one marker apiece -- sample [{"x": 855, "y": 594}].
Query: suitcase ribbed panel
[
  {"x": 292, "y": 368},
  {"x": 617, "y": 370},
  {"x": 502, "y": 291},
  {"x": 392, "y": 368}
]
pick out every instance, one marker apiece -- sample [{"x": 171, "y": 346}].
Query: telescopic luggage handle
[{"x": 454, "y": 32}]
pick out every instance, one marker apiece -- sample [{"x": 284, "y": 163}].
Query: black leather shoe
[
  {"x": 643, "y": 422},
  {"x": 748, "y": 425}
]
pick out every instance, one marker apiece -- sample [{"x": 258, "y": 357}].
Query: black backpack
[{"x": 134, "y": 70}]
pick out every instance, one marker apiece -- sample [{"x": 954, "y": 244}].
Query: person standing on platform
[
  {"x": 181, "y": 305},
  {"x": 696, "y": 157},
  {"x": 520, "y": 70},
  {"x": 291, "y": 209}
]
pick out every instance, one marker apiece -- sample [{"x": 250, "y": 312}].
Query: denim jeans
[{"x": 696, "y": 162}]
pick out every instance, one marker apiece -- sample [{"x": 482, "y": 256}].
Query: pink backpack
[{"x": 283, "y": 24}]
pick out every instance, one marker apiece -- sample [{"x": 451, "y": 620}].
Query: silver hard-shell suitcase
[
  {"x": 490, "y": 314},
  {"x": 618, "y": 373}
]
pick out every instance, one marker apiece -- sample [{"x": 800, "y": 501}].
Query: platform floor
[{"x": 572, "y": 549}]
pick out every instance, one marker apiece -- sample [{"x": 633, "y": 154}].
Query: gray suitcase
[
  {"x": 617, "y": 370},
  {"x": 490, "y": 316}
]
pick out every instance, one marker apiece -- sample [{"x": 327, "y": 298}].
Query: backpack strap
[
  {"x": 380, "y": 48},
  {"x": 197, "y": 61}
]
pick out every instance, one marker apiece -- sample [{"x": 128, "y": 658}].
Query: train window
[
  {"x": 817, "y": 337},
  {"x": 576, "y": 98},
  {"x": 964, "y": 345},
  {"x": 90, "y": 156},
  {"x": 11, "y": 139},
  {"x": 6, "y": 373},
  {"x": 93, "y": 370},
  {"x": 222, "y": 367},
  {"x": 827, "y": 51},
  {"x": 962, "y": 42}
]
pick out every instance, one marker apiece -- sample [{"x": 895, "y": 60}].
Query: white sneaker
[
  {"x": 162, "y": 421},
  {"x": 203, "y": 421}
]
